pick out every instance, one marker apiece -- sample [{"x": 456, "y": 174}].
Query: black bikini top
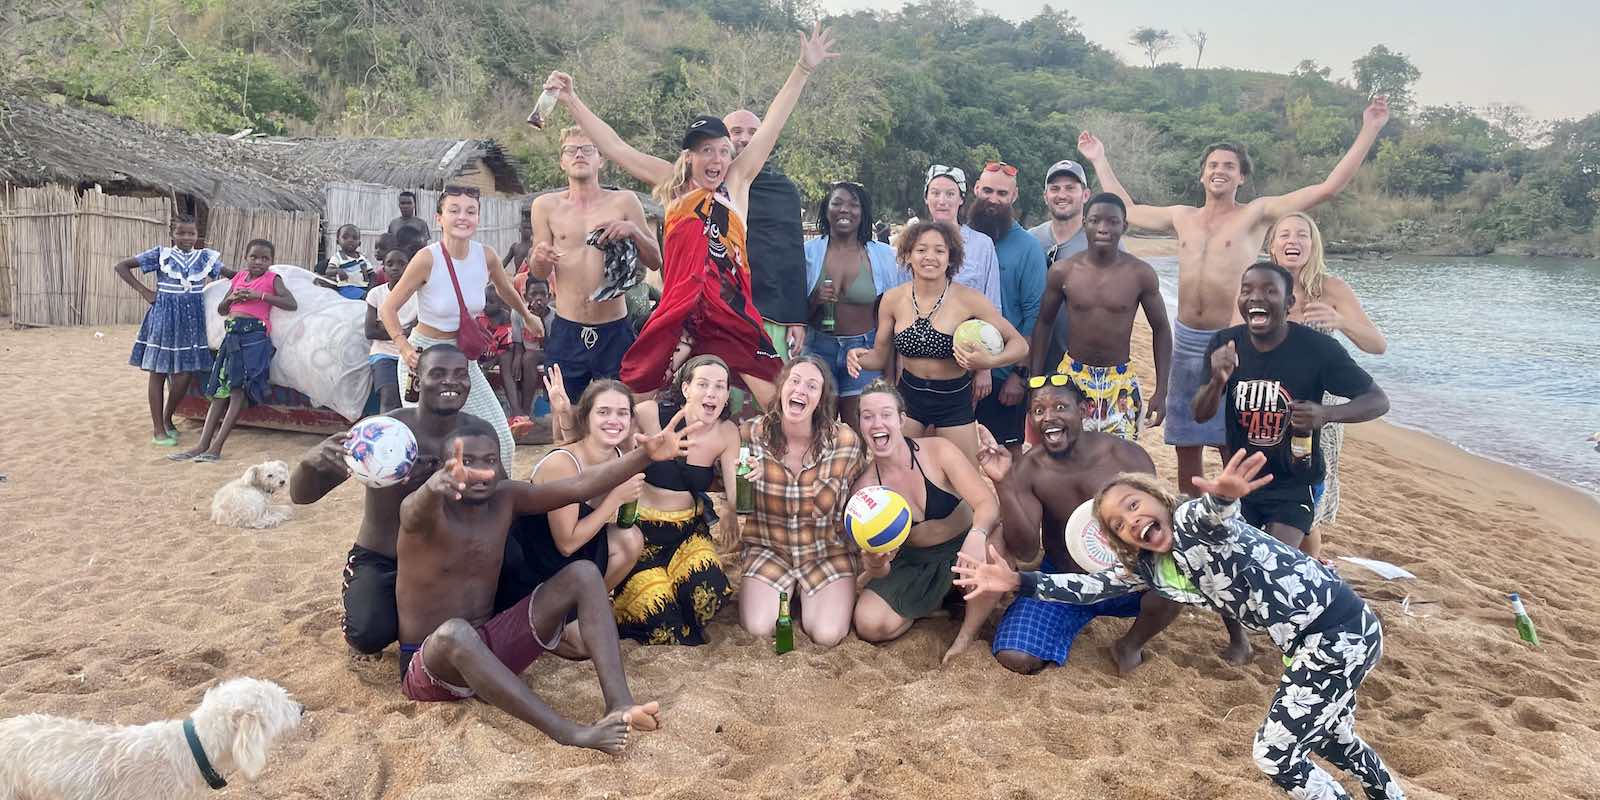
[
  {"x": 939, "y": 503},
  {"x": 677, "y": 475},
  {"x": 920, "y": 339}
]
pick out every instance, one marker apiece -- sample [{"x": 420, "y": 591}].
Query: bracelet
[{"x": 984, "y": 531}]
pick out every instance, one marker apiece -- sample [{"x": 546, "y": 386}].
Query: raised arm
[
  {"x": 1223, "y": 360},
  {"x": 1052, "y": 299},
  {"x": 1343, "y": 311},
  {"x": 814, "y": 50},
  {"x": 643, "y": 166},
  {"x": 1372, "y": 122},
  {"x": 1153, "y": 218}
]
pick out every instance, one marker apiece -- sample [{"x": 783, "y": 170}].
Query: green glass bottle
[
  {"x": 828, "y": 322},
  {"x": 785, "y": 629},
  {"x": 628, "y": 514},
  {"x": 744, "y": 497},
  {"x": 1524, "y": 622}
]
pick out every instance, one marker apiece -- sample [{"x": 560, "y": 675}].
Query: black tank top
[{"x": 677, "y": 475}]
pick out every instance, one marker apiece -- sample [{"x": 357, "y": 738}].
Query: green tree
[
  {"x": 1383, "y": 71},
  {"x": 1153, "y": 41}
]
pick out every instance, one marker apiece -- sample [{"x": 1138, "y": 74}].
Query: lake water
[{"x": 1499, "y": 355}]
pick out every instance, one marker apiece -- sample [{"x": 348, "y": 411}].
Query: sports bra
[
  {"x": 939, "y": 503},
  {"x": 920, "y": 339},
  {"x": 677, "y": 475}
]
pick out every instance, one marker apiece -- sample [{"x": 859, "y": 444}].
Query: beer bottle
[
  {"x": 541, "y": 109},
  {"x": 628, "y": 514},
  {"x": 744, "y": 501},
  {"x": 828, "y": 321},
  {"x": 1524, "y": 622},
  {"x": 785, "y": 628}
]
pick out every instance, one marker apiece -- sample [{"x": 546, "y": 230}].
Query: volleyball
[
  {"x": 380, "y": 451},
  {"x": 878, "y": 518},
  {"x": 976, "y": 331}
]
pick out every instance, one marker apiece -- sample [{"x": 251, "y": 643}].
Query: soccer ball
[
  {"x": 981, "y": 333},
  {"x": 878, "y": 518},
  {"x": 380, "y": 451}
]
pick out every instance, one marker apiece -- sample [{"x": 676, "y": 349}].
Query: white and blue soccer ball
[{"x": 380, "y": 451}]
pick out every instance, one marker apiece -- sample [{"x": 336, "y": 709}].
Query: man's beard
[
  {"x": 1059, "y": 216},
  {"x": 990, "y": 219}
]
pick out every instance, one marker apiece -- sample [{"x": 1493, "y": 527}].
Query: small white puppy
[
  {"x": 246, "y": 501},
  {"x": 69, "y": 759}
]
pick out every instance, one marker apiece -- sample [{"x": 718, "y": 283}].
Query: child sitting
[
  {"x": 240, "y": 373},
  {"x": 385, "y": 356},
  {"x": 347, "y": 267},
  {"x": 501, "y": 356}
]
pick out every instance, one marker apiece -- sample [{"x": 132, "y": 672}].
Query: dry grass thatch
[
  {"x": 408, "y": 163},
  {"x": 370, "y": 207},
  {"x": 42, "y": 142}
]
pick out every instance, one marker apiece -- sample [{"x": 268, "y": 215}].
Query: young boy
[
  {"x": 385, "y": 356},
  {"x": 501, "y": 356},
  {"x": 450, "y": 548},
  {"x": 240, "y": 374},
  {"x": 348, "y": 267}
]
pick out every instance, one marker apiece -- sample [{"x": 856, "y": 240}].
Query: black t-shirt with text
[{"x": 1256, "y": 404}]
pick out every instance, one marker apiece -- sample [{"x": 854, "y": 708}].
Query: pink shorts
[{"x": 509, "y": 635}]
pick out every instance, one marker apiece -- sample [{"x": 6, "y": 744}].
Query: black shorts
[
  {"x": 937, "y": 403},
  {"x": 586, "y": 352},
  {"x": 1004, "y": 421},
  {"x": 1285, "y": 505},
  {"x": 370, "y": 621}
]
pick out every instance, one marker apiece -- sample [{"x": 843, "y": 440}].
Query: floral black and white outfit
[{"x": 1330, "y": 638}]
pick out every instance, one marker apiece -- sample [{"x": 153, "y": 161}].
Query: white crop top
[{"x": 436, "y": 300}]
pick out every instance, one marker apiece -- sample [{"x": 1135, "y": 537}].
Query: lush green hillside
[{"x": 935, "y": 82}]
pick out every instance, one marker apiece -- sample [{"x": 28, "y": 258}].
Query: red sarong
[{"x": 705, "y": 291}]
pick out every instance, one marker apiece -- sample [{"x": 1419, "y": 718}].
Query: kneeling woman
[
  {"x": 1201, "y": 553},
  {"x": 933, "y": 476},
  {"x": 806, "y": 462},
  {"x": 583, "y": 531},
  {"x": 936, "y": 380},
  {"x": 678, "y": 584}
]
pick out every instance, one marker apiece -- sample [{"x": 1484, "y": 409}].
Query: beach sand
[{"x": 124, "y": 603}]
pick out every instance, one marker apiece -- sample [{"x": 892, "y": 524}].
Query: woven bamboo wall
[
  {"x": 61, "y": 247},
  {"x": 293, "y": 234},
  {"x": 370, "y": 207}
]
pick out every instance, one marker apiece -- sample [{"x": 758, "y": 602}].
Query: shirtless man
[
  {"x": 586, "y": 338},
  {"x": 452, "y": 543},
  {"x": 517, "y": 257},
  {"x": 1216, "y": 242},
  {"x": 370, "y": 622},
  {"x": 1037, "y": 497},
  {"x": 1102, "y": 288}
]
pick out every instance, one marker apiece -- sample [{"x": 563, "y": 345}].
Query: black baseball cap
[{"x": 704, "y": 126}]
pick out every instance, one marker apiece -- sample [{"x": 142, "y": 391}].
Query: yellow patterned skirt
[{"x": 677, "y": 585}]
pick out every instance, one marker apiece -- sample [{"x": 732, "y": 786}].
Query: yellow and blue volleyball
[{"x": 878, "y": 518}]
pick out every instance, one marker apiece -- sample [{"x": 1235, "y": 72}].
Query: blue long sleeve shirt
[{"x": 1022, "y": 271}]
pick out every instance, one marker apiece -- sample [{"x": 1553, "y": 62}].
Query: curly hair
[
  {"x": 952, "y": 243},
  {"x": 1140, "y": 481}
]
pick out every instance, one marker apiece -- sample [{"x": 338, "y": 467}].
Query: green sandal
[{"x": 170, "y": 440}]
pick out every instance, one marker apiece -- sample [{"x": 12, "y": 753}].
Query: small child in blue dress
[
  {"x": 171, "y": 344},
  {"x": 241, "y": 373}
]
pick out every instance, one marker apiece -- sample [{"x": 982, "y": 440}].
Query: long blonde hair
[
  {"x": 1141, "y": 481},
  {"x": 1311, "y": 276},
  {"x": 665, "y": 193}
]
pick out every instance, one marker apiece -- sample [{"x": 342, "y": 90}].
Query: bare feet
[
  {"x": 1238, "y": 653},
  {"x": 609, "y": 735},
  {"x": 1127, "y": 656},
  {"x": 643, "y": 718},
  {"x": 365, "y": 658},
  {"x": 957, "y": 647}
]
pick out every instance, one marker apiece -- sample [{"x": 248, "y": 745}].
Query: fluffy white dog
[
  {"x": 55, "y": 758},
  {"x": 246, "y": 501}
]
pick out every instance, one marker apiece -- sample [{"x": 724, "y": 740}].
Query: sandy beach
[{"x": 125, "y": 603}]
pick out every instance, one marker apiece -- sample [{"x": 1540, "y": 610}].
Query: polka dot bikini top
[{"x": 920, "y": 339}]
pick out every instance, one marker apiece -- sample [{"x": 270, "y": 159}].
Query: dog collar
[{"x": 208, "y": 772}]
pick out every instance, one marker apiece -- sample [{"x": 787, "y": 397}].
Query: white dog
[
  {"x": 246, "y": 501},
  {"x": 55, "y": 758}
]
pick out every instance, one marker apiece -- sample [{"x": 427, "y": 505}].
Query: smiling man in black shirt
[{"x": 1268, "y": 377}]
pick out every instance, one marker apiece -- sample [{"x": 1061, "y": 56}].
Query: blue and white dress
[
  {"x": 172, "y": 339},
  {"x": 1330, "y": 638}
]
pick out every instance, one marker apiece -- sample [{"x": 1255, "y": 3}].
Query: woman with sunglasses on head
[
  {"x": 918, "y": 322},
  {"x": 705, "y": 277},
  {"x": 446, "y": 301},
  {"x": 944, "y": 190},
  {"x": 847, "y": 268}
]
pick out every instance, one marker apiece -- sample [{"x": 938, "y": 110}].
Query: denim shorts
[{"x": 832, "y": 349}]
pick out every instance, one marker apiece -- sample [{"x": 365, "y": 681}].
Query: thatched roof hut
[
  {"x": 43, "y": 143},
  {"x": 410, "y": 163}
]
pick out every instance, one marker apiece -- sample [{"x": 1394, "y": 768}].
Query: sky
[{"x": 1543, "y": 54}]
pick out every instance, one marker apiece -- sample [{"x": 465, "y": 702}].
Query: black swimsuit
[
  {"x": 677, "y": 475},
  {"x": 936, "y": 403},
  {"x": 939, "y": 503}
]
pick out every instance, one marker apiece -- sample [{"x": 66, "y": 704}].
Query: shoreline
[{"x": 1148, "y": 246}]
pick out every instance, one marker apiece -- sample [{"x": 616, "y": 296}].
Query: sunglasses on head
[
  {"x": 1000, "y": 166},
  {"x": 1038, "y": 381},
  {"x": 461, "y": 191}
]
